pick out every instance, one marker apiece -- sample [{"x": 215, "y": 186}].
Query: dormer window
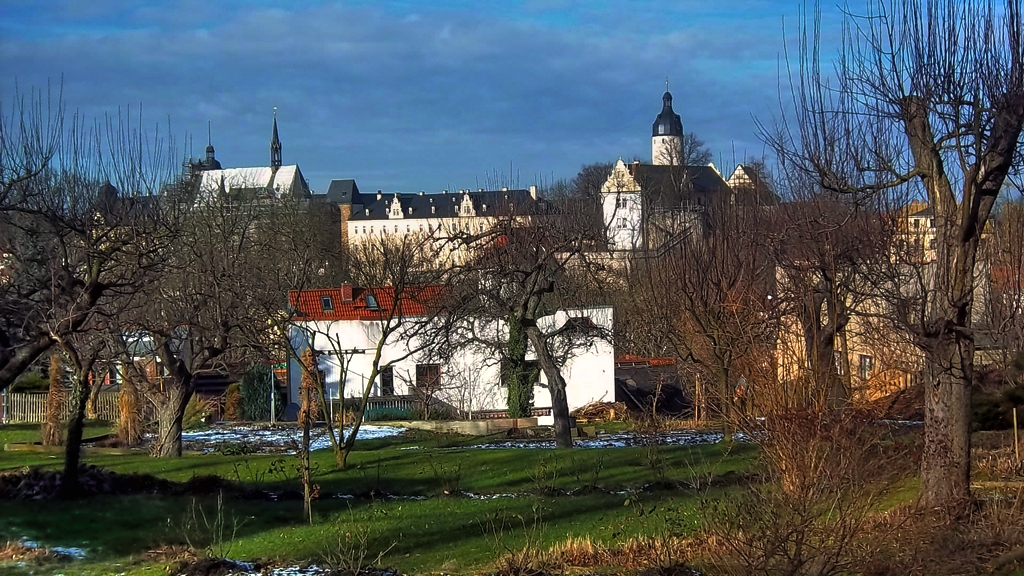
[{"x": 326, "y": 303}]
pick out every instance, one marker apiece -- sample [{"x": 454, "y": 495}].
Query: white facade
[
  {"x": 471, "y": 381},
  {"x": 666, "y": 150},
  {"x": 622, "y": 209}
]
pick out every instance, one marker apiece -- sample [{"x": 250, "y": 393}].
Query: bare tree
[
  {"x": 395, "y": 292},
  {"x": 824, "y": 248},
  {"x": 930, "y": 94},
  {"x": 524, "y": 268},
  {"x": 65, "y": 247},
  {"x": 707, "y": 299}
]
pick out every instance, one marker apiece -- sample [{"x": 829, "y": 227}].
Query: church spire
[{"x": 275, "y": 146}]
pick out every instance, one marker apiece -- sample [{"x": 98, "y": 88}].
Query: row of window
[
  {"x": 408, "y": 228},
  {"x": 428, "y": 377},
  {"x": 865, "y": 364}
]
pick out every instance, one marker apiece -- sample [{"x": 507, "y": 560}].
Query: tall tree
[
  {"x": 929, "y": 94},
  {"x": 524, "y": 268},
  {"x": 65, "y": 244}
]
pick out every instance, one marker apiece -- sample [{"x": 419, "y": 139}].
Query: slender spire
[{"x": 275, "y": 145}]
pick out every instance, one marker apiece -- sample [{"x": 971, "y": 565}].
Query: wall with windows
[{"x": 470, "y": 381}]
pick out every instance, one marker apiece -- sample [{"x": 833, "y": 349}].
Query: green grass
[
  {"x": 453, "y": 534},
  {"x": 15, "y": 433}
]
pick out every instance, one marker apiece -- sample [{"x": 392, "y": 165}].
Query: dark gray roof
[
  {"x": 673, "y": 186},
  {"x": 668, "y": 122},
  {"x": 340, "y": 192},
  {"x": 486, "y": 203}
]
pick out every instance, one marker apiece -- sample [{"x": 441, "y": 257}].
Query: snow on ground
[
  {"x": 71, "y": 552},
  {"x": 622, "y": 440},
  {"x": 263, "y": 438},
  {"x": 266, "y": 438}
]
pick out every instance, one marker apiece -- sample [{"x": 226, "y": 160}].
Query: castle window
[{"x": 866, "y": 364}]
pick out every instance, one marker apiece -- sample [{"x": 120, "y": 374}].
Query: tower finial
[
  {"x": 666, "y": 83},
  {"x": 209, "y": 132},
  {"x": 275, "y": 145}
]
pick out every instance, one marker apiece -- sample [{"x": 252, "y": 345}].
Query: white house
[{"x": 344, "y": 325}]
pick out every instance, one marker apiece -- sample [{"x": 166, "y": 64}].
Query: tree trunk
[
  {"x": 556, "y": 386},
  {"x": 725, "y": 405},
  {"x": 946, "y": 461},
  {"x": 169, "y": 415},
  {"x": 73, "y": 445}
]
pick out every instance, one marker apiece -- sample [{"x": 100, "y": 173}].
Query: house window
[
  {"x": 387, "y": 381},
  {"x": 931, "y": 224},
  {"x": 839, "y": 362},
  {"x": 866, "y": 363},
  {"x": 428, "y": 376},
  {"x": 326, "y": 303},
  {"x": 931, "y": 244},
  {"x": 371, "y": 301},
  {"x": 917, "y": 223},
  {"x": 622, "y": 223}
]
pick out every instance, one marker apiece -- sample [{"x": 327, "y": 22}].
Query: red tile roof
[
  {"x": 633, "y": 359},
  {"x": 350, "y": 302}
]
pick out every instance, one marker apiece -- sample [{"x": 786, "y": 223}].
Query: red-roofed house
[{"x": 344, "y": 326}]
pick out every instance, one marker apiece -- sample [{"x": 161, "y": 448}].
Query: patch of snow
[
  {"x": 622, "y": 440},
  {"x": 284, "y": 439},
  {"x": 69, "y": 551}
]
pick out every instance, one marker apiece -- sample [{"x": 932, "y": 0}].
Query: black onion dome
[{"x": 668, "y": 122}]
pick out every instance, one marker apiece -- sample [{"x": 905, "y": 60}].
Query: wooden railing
[{"x": 28, "y": 407}]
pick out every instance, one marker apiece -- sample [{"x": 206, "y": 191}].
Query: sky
[{"x": 412, "y": 95}]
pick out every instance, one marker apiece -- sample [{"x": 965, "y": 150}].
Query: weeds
[
  {"x": 527, "y": 559},
  {"x": 544, "y": 475},
  {"x": 211, "y": 534},
  {"x": 587, "y": 475},
  {"x": 352, "y": 552},
  {"x": 448, "y": 476}
]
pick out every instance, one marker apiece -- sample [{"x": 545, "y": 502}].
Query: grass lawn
[{"x": 437, "y": 533}]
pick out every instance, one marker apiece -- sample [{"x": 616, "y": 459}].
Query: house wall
[{"x": 469, "y": 381}]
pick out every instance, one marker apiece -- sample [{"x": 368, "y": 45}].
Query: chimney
[
  {"x": 533, "y": 191},
  {"x": 346, "y": 292}
]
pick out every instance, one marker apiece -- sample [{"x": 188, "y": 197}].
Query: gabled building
[
  {"x": 275, "y": 180},
  {"x": 651, "y": 206},
  {"x": 343, "y": 325}
]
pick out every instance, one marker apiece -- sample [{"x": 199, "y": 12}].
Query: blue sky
[{"x": 407, "y": 95}]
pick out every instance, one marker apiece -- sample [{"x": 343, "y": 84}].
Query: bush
[
  {"x": 387, "y": 414},
  {"x": 197, "y": 413},
  {"x": 233, "y": 403},
  {"x": 31, "y": 382},
  {"x": 256, "y": 387},
  {"x": 809, "y": 510}
]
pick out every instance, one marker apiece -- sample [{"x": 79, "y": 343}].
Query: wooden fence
[{"x": 27, "y": 407}]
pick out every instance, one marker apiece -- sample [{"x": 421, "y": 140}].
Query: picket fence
[{"x": 29, "y": 407}]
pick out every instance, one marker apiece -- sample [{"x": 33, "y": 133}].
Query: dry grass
[
  {"x": 35, "y": 556},
  {"x": 636, "y": 554}
]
